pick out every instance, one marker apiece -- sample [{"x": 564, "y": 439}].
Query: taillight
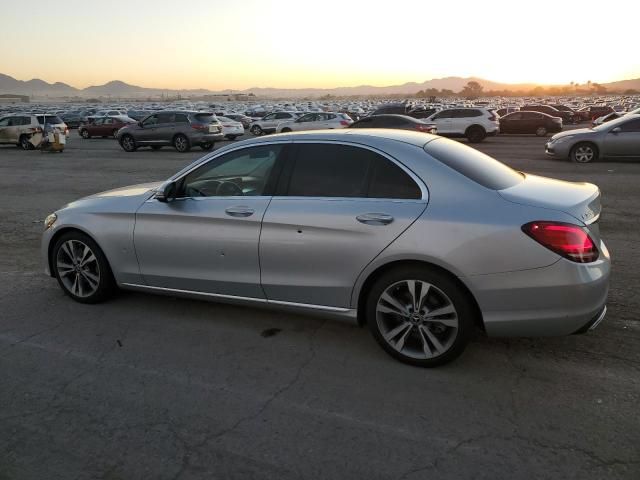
[
  {"x": 199, "y": 126},
  {"x": 425, "y": 128},
  {"x": 345, "y": 123},
  {"x": 567, "y": 240}
]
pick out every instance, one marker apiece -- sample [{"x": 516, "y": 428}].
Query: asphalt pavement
[{"x": 151, "y": 387}]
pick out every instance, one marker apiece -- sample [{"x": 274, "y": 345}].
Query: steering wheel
[{"x": 228, "y": 189}]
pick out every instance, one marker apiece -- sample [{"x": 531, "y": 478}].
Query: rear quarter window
[{"x": 475, "y": 165}]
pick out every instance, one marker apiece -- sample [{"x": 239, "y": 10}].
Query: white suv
[
  {"x": 316, "y": 121},
  {"x": 269, "y": 122},
  {"x": 474, "y": 123}
]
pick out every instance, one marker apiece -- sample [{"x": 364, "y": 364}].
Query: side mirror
[
  {"x": 616, "y": 130},
  {"x": 166, "y": 192}
]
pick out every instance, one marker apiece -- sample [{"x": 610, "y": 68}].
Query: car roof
[{"x": 361, "y": 135}]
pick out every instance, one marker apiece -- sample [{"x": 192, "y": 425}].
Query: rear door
[
  {"x": 625, "y": 143},
  {"x": 336, "y": 208},
  {"x": 444, "y": 121},
  {"x": 5, "y": 136}
]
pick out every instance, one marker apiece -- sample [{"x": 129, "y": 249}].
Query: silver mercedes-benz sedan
[{"x": 421, "y": 238}]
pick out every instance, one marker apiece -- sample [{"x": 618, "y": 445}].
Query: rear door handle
[
  {"x": 375, "y": 218},
  {"x": 239, "y": 211}
]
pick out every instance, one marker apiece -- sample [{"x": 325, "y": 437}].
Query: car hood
[
  {"x": 120, "y": 199},
  {"x": 571, "y": 133}
]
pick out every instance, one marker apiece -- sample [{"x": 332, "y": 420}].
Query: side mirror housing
[
  {"x": 166, "y": 192},
  {"x": 616, "y": 130}
]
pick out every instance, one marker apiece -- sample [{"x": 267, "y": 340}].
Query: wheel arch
[
  {"x": 66, "y": 229},
  {"x": 384, "y": 268}
]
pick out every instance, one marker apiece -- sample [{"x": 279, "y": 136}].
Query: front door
[
  {"x": 625, "y": 143},
  {"x": 337, "y": 207},
  {"x": 207, "y": 239}
]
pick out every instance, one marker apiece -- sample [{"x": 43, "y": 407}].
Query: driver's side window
[
  {"x": 152, "y": 120},
  {"x": 241, "y": 173}
]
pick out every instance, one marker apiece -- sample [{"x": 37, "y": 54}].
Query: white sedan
[
  {"x": 230, "y": 128},
  {"x": 316, "y": 121}
]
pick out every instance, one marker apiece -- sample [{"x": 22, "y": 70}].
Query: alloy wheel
[
  {"x": 417, "y": 319},
  {"x": 584, "y": 154},
  {"x": 78, "y": 268}
]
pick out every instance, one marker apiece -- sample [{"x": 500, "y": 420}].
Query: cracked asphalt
[{"x": 149, "y": 387}]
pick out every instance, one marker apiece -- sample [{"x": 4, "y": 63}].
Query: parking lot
[{"x": 155, "y": 387}]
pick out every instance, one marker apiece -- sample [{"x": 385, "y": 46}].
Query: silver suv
[
  {"x": 18, "y": 129},
  {"x": 180, "y": 129}
]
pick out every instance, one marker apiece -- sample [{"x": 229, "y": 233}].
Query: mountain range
[{"x": 37, "y": 88}]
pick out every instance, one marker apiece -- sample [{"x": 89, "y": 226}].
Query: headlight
[{"x": 49, "y": 221}]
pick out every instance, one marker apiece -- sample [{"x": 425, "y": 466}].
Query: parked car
[
  {"x": 18, "y": 129},
  {"x": 391, "y": 108},
  {"x": 243, "y": 119},
  {"x": 230, "y": 128},
  {"x": 482, "y": 255},
  {"x": 507, "y": 110},
  {"x": 619, "y": 138},
  {"x": 316, "y": 121},
  {"x": 104, "y": 126},
  {"x": 591, "y": 113},
  {"x": 181, "y": 129},
  {"x": 566, "y": 117},
  {"x": 402, "y": 122},
  {"x": 270, "y": 122},
  {"x": 573, "y": 116},
  {"x": 530, "y": 122},
  {"x": 72, "y": 119},
  {"x": 422, "y": 112},
  {"x": 473, "y": 123}
]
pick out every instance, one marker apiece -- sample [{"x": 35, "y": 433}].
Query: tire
[
  {"x": 541, "y": 131},
  {"x": 475, "y": 134},
  {"x": 156, "y": 147},
  {"x": 207, "y": 146},
  {"x": 285, "y": 130},
  {"x": 84, "y": 133},
  {"x": 114, "y": 132},
  {"x": 181, "y": 143},
  {"x": 24, "y": 143},
  {"x": 584, "y": 153},
  {"x": 412, "y": 337},
  {"x": 232, "y": 137},
  {"x": 81, "y": 268},
  {"x": 128, "y": 143},
  {"x": 256, "y": 130}
]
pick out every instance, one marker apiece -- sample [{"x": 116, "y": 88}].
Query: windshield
[{"x": 611, "y": 124}]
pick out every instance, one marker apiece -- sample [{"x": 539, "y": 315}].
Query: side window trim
[{"x": 282, "y": 189}]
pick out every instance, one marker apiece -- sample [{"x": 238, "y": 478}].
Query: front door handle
[
  {"x": 239, "y": 211},
  {"x": 375, "y": 218}
]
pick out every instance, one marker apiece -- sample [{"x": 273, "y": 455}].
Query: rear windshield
[
  {"x": 475, "y": 165},
  {"x": 204, "y": 117},
  {"x": 49, "y": 119}
]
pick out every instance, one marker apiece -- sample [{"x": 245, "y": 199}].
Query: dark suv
[{"x": 182, "y": 129}]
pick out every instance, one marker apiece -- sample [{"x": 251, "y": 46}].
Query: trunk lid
[{"x": 580, "y": 200}]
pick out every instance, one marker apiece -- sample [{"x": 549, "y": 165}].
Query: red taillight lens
[
  {"x": 569, "y": 241},
  {"x": 199, "y": 126},
  {"x": 345, "y": 123}
]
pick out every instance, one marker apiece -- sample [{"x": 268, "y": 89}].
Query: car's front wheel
[
  {"x": 84, "y": 133},
  {"x": 181, "y": 143},
  {"x": 82, "y": 269},
  {"x": 256, "y": 130},
  {"x": 541, "y": 131},
  {"x": 419, "y": 316},
  {"x": 128, "y": 143},
  {"x": 584, "y": 153}
]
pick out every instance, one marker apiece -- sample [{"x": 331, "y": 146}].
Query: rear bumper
[{"x": 560, "y": 299}]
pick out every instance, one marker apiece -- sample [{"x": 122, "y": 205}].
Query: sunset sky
[{"x": 316, "y": 43}]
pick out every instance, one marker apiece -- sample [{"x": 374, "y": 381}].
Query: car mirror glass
[{"x": 166, "y": 192}]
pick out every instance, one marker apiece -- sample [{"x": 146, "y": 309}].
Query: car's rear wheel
[
  {"x": 541, "y": 131},
  {"x": 419, "y": 316},
  {"x": 181, "y": 143},
  {"x": 128, "y": 143},
  {"x": 84, "y": 133},
  {"x": 206, "y": 146},
  {"x": 584, "y": 153},
  {"x": 256, "y": 130},
  {"x": 24, "y": 143},
  {"x": 82, "y": 269},
  {"x": 476, "y": 134}
]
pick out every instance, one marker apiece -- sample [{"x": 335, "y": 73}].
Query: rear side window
[
  {"x": 323, "y": 170},
  {"x": 389, "y": 181},
  {"x": 203, "y": 117},
  {"x": 464, "y": 113},
  {"x": 48, "y": 119},
  {"x": 181, "y": 118},
  {"x": 474, "y": 165}
]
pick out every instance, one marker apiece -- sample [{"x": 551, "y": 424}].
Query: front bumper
[
  {"x": 560, "y": 299},
  {"x": 558, "y": 150}
]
